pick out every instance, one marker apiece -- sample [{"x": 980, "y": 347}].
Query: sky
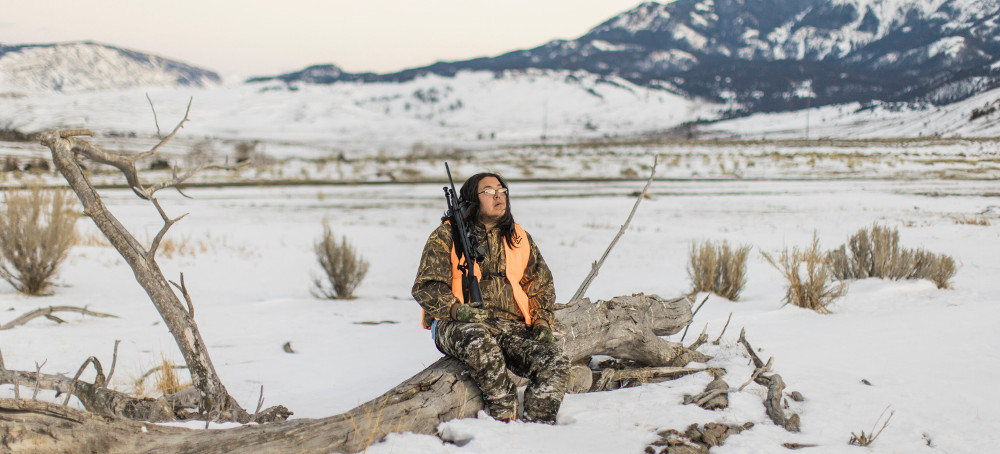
[{"x": 254, "y": 37}]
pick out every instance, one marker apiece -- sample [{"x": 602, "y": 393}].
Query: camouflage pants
[{"x": 488, "y": 349}]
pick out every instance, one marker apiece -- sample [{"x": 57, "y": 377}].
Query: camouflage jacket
[{"x": 432, "y": 287}]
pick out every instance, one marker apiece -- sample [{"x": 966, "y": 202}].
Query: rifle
[{"x": 465, "y": 243}]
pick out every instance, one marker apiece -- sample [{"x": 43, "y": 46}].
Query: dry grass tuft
[
  {"x": 167, "y": 380},
  {"x": 876, "y": 252},
  {"x": 976, "y": 220},
  {"x": 37, "y": 229},
  {"x": 719, "y": 269},
  {"x": 344, "y": 269},
  {"x": 815, "y": 290},
  {"x": 867, "y": 439}
]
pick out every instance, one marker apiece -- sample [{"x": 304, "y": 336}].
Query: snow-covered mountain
[
  {"x": 85, "y": 66},
  {"x": 771, "y": 55},
  {"x": 931, "y": 66}
]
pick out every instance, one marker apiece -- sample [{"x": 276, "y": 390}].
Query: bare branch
[
  {"x": 648, "y": 373},
  {"x": 65, "y": 134},
  {"x": 775, "y": 385},
  {"x": 38, "y": 377},
  {"x": 187, "y": 297},
  {"x": 693, "y": 314},
  {"x": 167, "y": 223},
  {"x": 717, "y": 339},
  {"x": 98, "y": 381},
  {"x": 166, "y": 139},
  {"x": 114, "y": 361},
  {"x": 597, "y": 265},
  {"x": 260, "y": 402},
  {"x": 757, "y": 372},
  {"x": 155, "y": 121},
  {"x": 123, "y": 162},
  {"x": 643, "y": 375},
  {"x": 743, "y": 340},
  {"x": 47, "y": 311},
  {"x": 158, "y": 368},
  {"x": 175, "y": 181},
  {"x": 702, "y": 338}
]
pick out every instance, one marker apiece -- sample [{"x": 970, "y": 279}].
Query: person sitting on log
[{"x": 513, "y": 327}]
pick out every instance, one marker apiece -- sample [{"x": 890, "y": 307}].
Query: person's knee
[
  {"x": 480, "y": 349},
  {"x": 550, "y": 362}
]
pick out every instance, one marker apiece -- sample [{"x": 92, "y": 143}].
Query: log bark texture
[{"x": 627, "y": 327}]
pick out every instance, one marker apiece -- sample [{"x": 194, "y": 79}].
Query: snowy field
[{"x": 246, "y": 255}]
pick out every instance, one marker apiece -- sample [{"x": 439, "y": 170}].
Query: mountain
[
  {"x": 85, "y": 66},
  {"x": 767, "y": 55}
]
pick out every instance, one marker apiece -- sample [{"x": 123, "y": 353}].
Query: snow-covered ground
[
  {"x": 929, "y": 354},
  {"x": 246, "y": 252},
  {"x": 975, "y": 116},
  {"x": 472, "y": 110}
]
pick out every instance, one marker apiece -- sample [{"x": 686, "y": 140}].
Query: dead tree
[
  {"x": 628, "y": 326},
  {"x": 213, "y": 401}
]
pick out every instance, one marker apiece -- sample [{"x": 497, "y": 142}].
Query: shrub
[
  {"x": 36, "y": 232},
  {"x": 718, "y": 269},
  {"x": 245, "y": 150},
  {"x": 10, "y": 164},
  {"x": 39, "y": 165},
  {"x": 978, "y": 112},
  {"x": 199, "y": 153},
  {"x": 815, "y": 290},
  {"x": 876, "y": 252},
  {"x": 938, "y": 268},
  {"x": 344, "y": 269}
]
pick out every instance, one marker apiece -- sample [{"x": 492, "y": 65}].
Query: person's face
[{"x": 491, "y": 206}]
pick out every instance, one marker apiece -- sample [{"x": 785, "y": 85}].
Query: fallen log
[
  {"x": 48, "y": 312},
  {"x": 626, "y": 327}
]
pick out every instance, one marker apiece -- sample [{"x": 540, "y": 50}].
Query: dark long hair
[{"x": 470, "y": 193}]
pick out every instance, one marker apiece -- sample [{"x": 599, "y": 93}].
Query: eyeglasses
[{"x": 494, "y": 191}]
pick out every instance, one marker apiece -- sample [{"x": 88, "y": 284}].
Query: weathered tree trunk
[
  {"x": 215, "y": 400},
  {"x": 626, "y": 327}
]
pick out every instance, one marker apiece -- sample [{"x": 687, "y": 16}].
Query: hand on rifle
[
  {"x": 468, "y": 314},
  {"x": 541, "y": 332}
]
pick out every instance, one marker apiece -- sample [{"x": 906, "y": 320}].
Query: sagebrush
[
  {"x": 876, "y": 252},
  {"x": 343, "y": 267},
  {"x": 815, "y": 289},
  {"x": 720, "y": 269},
  {"x": 37, "y": 229}
]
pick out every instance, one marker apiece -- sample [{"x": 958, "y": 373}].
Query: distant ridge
[
  {"x": 87, "y": 66},
  {"x": 768, "y": 55}
]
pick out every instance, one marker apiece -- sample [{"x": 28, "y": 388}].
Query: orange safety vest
[{"x": 517, "y": 261}]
